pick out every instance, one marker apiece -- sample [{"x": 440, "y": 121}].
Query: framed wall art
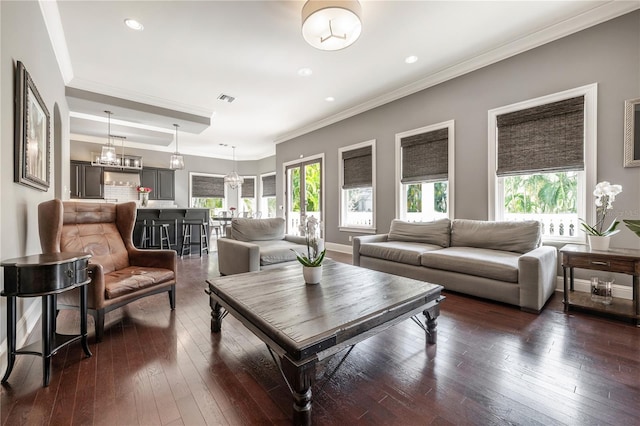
[{"x": 32, "y": 137}]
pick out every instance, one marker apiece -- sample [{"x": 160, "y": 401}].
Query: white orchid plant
[
  {"x": 310, "y": 228},
  {"x": 605, "y": 194}
]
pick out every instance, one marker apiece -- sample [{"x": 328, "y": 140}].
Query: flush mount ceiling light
[
  {"x": 331, "y": 25},
  {"x": 177, "y": 160},
  {"x": 411, "y": 59},
  {"x": 233, "y": 179},
  {"x": 108, "y": 153},
  {"x": 134, "y": 24}
]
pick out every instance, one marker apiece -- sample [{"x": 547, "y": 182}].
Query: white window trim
[
  {"x": 590, "y": 93},
  {"x": 352, "y": 228},
  {"x": 191, "y": 174},
  {"x": 450, "y": 125},
  {"x": 259, "y": 191}
]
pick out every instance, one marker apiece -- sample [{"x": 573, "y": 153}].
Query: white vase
[
  {"x": 312, "y": 274},
  {"x": 599, "y": 243},
  {"x": 144, "y": 199}
]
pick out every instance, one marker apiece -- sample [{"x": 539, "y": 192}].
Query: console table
[
  {"x": 45, "y": 275},
  {"x": 624, "y": 261}
]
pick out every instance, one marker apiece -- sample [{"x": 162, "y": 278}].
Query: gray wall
[
  {"x": 24, "y": 38},
  {"x": 82, "y": 151},
  {"x": 608, "y": 54}
]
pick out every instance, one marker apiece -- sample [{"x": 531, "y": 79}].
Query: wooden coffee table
[{"x": 304, "y": 324}]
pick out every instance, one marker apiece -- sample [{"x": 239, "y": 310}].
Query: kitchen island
[{"x": 174, "y": 218}]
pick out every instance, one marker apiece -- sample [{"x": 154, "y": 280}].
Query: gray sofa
[
  {"x": 502, "y": 261},
  {"x": 254, "y": 244}
]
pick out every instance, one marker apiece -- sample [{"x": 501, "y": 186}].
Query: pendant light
[
  {"x": 177, "y": 160},
  {"x": 108, "y": 154},
  {"x": 233, "y": 179}
]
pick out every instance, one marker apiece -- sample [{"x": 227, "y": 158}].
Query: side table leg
[
  {"x": 83, "y": 320},
  {"x": 300, "y": 378},
  {"x": 11, "y": 336},
  {"x": 216, "y": 318},
  {"x": 431, "y": 315},
  {"x": 48, "y": 331}
]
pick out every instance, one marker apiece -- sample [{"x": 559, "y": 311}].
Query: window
[
  {"x": 357, "y": 187},
  {"x": 425, "y": 170},
  {"x": 207, "y": 191},
  {"x": 248, "y": 196},
  {"x": 268, "y": 199},
  {"x": 542, "y": 153}
]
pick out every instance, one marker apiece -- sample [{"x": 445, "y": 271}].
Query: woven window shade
[
  {"x": 425, "y": 157},
  {"x": 207, "y": 187},
  {"x": 248, "y": 188},
  {"x": 358, "y": 168},
  {"x": 543, "y": 139},
  {"x": 269, "y": 186}
]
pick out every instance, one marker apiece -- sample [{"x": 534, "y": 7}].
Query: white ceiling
[{"x": 190, "y": 52}]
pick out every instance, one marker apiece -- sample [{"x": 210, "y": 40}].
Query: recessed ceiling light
[
  {"x": 305, "y": 72},
  {"x": 411, "y": 59},
  {"x": 134, "y": 24},
  {"x": 329, "y": 99}
]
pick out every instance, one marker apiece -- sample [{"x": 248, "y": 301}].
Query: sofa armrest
[
  {"x": 236, "y": 257},
  {"x": 537, "y": 272},
  {"x": 357, "y": 241}
]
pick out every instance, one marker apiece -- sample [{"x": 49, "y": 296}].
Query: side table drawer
[{"x": 602, "y": 264}]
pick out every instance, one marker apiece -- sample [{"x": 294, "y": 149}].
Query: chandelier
[
  {"x": 177, "y": 160},
  {"x": 108, "y": 153},
  {"x": 331, "y": 25},
  {"x": 233, "y": 179}
]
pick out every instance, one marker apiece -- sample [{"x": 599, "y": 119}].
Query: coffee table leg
[
  {"x": 432, "y": 315},
  {"x": 300, "y": 378},
  {"x": 216, "y": 318}
]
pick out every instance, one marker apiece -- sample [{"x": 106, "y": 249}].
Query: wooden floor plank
[{"x": 493, "y": 364}]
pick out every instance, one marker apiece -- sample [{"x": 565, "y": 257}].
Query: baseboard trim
[
  {"x": 24, "y": 327},
  {"x": 341, "y": 248},
  {"x": 617, "y": 290}
]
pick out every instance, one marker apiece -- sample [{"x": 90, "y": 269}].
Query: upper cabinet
[
  {"x": 86, "y": 180},
  {"x": 161, "y": 182}
]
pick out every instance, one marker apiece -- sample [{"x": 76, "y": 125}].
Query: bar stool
[
  {"x": 146, "y": 241},
  {"x": 186, "y": 236}
]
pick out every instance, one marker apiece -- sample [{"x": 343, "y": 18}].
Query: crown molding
[
  {"x": 598, "y": 14},
  {"x": 52, "y": 21}
]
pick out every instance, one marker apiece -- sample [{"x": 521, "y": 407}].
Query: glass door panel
[{"x": 304, "y": 193}]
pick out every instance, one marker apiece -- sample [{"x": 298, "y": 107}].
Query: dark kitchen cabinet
[
  {"x": 161, "y": 182},
  {"x": 86, "y": 180}
]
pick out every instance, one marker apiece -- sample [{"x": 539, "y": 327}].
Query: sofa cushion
[
  {"x": 494, "y": 264},
  {"x": 397, "y": 251},
  {"x": 134, "y": 278},
  {"x": 278, "y": 251},
  {"x": 519, "y": 237},
  {"x": 243, "y": 229},
  {"x": 435, "y": 232}
]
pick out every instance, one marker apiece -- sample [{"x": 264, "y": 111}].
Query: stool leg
[
  {"x": 186, "y": 239},
  {"x": 204, "y": 239}
]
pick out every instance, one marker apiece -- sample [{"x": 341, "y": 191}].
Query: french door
[{"x": 303, "y": 193}]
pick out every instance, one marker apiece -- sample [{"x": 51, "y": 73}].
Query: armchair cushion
[
  {"x": 278, "y": 251},
  {"x": 128, "y": 280}
]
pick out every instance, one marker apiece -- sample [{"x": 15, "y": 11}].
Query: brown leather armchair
[{"x": 120, "y": 273}]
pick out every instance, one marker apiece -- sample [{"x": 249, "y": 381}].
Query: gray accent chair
[
  {"x": 254, "y": 244},
  {"x": 501, "y": 261}
]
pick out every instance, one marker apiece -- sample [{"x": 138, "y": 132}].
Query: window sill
[
  {"x": 362, "y": 230},
  {"x": 557, "y": 239}
]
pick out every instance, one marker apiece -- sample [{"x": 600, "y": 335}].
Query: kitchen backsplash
[{"x": 122, "y": 193}]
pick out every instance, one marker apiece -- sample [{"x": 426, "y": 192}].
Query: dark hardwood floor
[{"x": 493, "y": 364}]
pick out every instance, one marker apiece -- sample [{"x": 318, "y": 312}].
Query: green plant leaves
[{"x": 633, "y": 225}]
